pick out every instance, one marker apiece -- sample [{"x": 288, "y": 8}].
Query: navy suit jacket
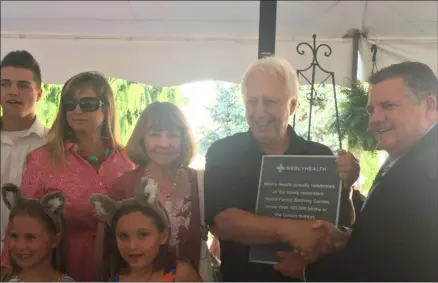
[{"x": 395, "y": 236}]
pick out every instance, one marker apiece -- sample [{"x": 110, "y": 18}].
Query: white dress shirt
[{"x": 15, "y": 147}]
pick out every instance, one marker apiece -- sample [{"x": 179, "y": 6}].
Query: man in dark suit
[{"x": 395, "y": 235}]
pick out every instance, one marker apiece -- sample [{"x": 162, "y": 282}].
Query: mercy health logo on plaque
[{"x": 296, "y": 187}]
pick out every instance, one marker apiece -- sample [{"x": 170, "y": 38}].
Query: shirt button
[{"x": 100, "y": 183}]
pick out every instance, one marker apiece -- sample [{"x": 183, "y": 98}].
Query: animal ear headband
[
  {"x": 53, "y": 203},
  {"x": 145, "y": 195}
]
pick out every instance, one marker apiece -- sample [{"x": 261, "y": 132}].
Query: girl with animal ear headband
[
  {"x": 35, "y": 239},
  {"x": 138, "y": 248}
]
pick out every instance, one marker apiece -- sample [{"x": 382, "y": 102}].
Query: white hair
[{"x": 277, "y": 67}]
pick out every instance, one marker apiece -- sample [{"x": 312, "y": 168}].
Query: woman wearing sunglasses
[{"x": 82, "y": 157}]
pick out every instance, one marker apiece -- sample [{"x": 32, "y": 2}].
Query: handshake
[{"x": 311, "y": 240}]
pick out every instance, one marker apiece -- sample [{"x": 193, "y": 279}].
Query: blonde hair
[
  {"x": 60, "y": 133},
  {"x": 277, "y": 67},
  {"x": 161, "y": 116}
]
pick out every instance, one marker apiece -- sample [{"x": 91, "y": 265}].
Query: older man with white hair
[{"x": 270, "y": 94}]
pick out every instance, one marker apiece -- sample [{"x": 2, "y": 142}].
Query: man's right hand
[
  {"x": 335, "y": 239},
  {"x": 301, "y": 235}
]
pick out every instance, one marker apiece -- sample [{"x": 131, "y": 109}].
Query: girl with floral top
[{"x": 35, "y": 237}]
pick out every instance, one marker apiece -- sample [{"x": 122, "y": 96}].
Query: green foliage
[
  {"x": 322, "y": 112},
  {"x": 228, "y": 114},
  {"x": 369, "y": 166},
  {"x": 131, "y": 98},
  {"x": 353, "y": 118},
  {"x": 47, "y": 107}
]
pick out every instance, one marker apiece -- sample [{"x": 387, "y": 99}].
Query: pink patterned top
[{"x": 78, "y": 181}]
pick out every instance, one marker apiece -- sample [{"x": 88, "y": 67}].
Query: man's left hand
[
  {"x": 291, "y": 264},
  {"x": 348, "y": 168}
]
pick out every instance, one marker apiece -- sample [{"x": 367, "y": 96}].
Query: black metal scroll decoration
[
  {"x": 314, "y": 94},
  {"x": 374, "y": 58},
  {"x": 372, "y": 145}
]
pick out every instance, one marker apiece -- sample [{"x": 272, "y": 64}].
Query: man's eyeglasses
[{"x": 87, "y": 104}]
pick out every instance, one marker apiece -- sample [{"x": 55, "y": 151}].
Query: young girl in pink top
[{"x": 82, "y": 157}]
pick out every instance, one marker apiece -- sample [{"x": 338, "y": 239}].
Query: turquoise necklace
[{"x": 94, "y": 159}]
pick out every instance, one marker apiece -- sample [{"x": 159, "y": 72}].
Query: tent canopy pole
[{"x": 267, "y": 28}]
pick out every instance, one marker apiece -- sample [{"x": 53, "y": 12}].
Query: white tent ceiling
[{"x": 170, "y": 43}]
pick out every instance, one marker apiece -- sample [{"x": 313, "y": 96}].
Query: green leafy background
[{"x": 228, "y": 115}]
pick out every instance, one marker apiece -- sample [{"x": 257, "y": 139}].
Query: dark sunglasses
[{"x": 87, "y": 104}]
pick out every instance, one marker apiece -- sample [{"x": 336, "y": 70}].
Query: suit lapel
[
  {"x": 413, "y": 157},
  {"x": 378, "y": 177}
]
